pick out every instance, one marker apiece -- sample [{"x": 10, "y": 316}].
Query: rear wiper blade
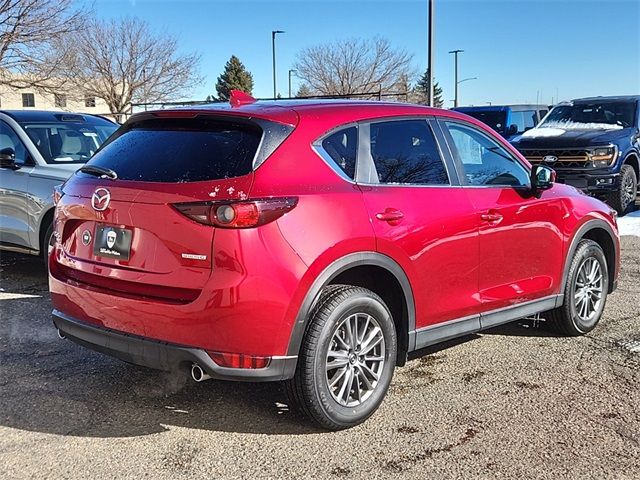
[{"x": 98, "y": 171}]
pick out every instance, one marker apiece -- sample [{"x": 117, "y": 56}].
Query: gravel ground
[{"x": 513, "y": 402}]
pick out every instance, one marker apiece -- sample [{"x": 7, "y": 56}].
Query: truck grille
[{"x": 567, "y": 158}]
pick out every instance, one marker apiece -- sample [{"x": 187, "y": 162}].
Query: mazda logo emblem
[{"x": 100, "y": 199}]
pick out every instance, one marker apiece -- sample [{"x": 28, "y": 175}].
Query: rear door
[
  {"x": 421, "y": 218},
  {"x": 521, "y": 242},
  {"x": 127, "y": 231}
]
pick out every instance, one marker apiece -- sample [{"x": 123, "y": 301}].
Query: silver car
[{"x": 39, "y": 150}]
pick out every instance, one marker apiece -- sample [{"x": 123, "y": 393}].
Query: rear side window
[
  {"x": 405, "y": 151},
  {"x": 181, "y": 150},
  {"x": 342, "y": 147}
]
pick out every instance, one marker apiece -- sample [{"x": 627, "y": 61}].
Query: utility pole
[
  {"x": 430, "y": 59},
  {"x": 273, "y": 52},
  {"x": 290, "y": 72},
  {"x": 455, "y": 53}
]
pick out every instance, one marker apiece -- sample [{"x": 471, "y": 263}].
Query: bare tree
[
  {"x": 28, "y": 29},
  {"x": 354, "y": 66},
  {"x": 124, "y": 62}
]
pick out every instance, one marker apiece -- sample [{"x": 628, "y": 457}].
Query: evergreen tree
[
  {"x": 422, "y": 91},
  {"x": 304, "y": 91},
  {"x": 234, "y": 77}
]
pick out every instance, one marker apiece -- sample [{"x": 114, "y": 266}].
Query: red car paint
[{"x": 464, "y": 250}]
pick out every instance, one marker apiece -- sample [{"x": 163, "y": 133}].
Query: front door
[{"x": 521, "y": 243}]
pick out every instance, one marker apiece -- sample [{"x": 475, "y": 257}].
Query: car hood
[
  {"x": 56, "y": 172},
  {"x": 544, "y": 137}
]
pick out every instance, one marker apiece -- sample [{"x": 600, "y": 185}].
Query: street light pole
[
  {"x": 273, "y": 52},
  {"x": 290, "y": 72},
  {"x": 455, "y": 53},
  {"x": 431, "y": 51}
]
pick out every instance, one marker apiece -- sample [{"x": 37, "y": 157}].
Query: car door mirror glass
[
  {"x": 512, "y": 130},
  {"x": 542, "y": 177},
  {"x": 8, "y": 158}
]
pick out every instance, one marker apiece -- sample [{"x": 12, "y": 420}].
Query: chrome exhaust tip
[
  {"x": 198, "y": 374},
  {"x": 60, "y": 334}
]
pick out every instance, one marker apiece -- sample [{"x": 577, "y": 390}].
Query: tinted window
[
  {"x": 517, "y": 118},
  {"x": 9, "y": 139},
  {"x": 484, "y": 161},
  {"x": 342, "y": 147},
  {"x": 68, "y": 142},
  {"x": 529, "y": 119},
  {"x": 542, "y": 113},
  {"x": 493, "y": 118},
  {"x": 181, "y": 150},
  {"x": 406, "y": 152},
  {"x": 592, "y": 115}
]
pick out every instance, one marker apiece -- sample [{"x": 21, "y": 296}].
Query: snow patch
[
  {"x": 569, "y": 125},
  {"x": 630, "y": 224},
  {"x": 543, "y": 132}
]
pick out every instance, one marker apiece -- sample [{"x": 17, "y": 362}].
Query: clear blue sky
[{"x": 570, "y": 48}]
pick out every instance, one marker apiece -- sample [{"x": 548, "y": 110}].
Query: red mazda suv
[{"x": 317, "y": 243}]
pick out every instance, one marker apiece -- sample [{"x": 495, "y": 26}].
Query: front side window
[
  {"x": 405, "y": 152},
  {"x": 529, "y": 119},
  {"x": 342, "y": 147},
  {"x": 28, "y": 100},
  {"x": 9, "y": 139},
  {"x": 484, "y": 162},
  {"x": 517, "y": 119}
]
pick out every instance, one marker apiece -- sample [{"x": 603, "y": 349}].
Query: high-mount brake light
[{"x": 241, "y": 214}]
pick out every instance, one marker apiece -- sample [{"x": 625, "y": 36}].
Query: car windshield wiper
[{"x": 98, "y": 171}]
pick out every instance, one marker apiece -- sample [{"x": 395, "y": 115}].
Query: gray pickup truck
[{"x": 39, "y": 150}]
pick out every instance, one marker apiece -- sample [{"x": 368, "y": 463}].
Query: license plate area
[{"x": 112, "y": 242}]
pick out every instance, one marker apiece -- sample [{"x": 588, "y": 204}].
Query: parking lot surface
[{"x": 516, "y": 401}]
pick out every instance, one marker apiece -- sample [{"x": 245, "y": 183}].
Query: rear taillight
[
  {"x": 239, "y": 360},
  {"x": 242, "y": 214}
]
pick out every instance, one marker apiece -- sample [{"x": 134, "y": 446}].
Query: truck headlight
[{"x": 603, "y": 156}]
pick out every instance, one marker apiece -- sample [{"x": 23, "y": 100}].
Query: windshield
[
  {"x": 495, "y": 119},
  {"x": 592, "y": 116},
  {"x": 68, "y": 142}
]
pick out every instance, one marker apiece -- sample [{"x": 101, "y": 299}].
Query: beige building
[{"x": 30, "y": 98}]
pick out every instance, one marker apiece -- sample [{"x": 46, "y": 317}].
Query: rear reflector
[
  {"x": 242, "y": 214},
  {"x": 239, "y": 360}
]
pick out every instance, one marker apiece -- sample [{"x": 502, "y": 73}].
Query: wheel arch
[
  {"x": 600, "y": 232},
  {"x": 376, "y": 272},
  {"x": 45, "y": 220},
  {"x": 632, "y": 159}
]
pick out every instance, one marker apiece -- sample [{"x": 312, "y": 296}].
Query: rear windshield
[{"x": 181, "y": 150}]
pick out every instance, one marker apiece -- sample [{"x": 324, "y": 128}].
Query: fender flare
[
  {"x": 579, "y": 235},
  {"x": 333, "y": 270}
]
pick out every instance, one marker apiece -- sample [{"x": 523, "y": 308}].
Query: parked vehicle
[
  {"x": 39, "y": 150},
  {"x": 317, "y": 243},
  {"x": 508, "y": 120},
  {"x": 593, "y": 144}
]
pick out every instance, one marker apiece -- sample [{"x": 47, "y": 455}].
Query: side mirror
[
  {"x": 8, "y": 158},
  {"x": 512, "y": 130},
  {"x": 542, "y": 178}
]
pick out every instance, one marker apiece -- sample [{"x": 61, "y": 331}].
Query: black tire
[
  {"x": 309, "y": 389},
  {"x": 623, "y": 200},
  {"x": 566, "y": 319},
  {"x": 44, "y": 247}
]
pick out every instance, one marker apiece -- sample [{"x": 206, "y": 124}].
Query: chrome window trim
[{"x": 317, "y": 147}]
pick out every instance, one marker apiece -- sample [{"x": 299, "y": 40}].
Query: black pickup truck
[{"x": 593, "y": 144}]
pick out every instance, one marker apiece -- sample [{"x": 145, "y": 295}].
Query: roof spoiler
[{"x": 239, "y": 98}]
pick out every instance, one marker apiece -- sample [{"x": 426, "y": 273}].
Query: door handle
[
  {"x": 390, "y": 215},
  {"x": 491, "y": 217}
]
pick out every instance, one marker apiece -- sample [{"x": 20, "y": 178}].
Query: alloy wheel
[
  {"x": 588, "y": 289},
  {"x": 628, "y": 190},
  {"x": 355, "y": 359}
]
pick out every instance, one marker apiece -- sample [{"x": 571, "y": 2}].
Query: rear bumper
[
  {"x": 162, "y": 355},
  {"x": 591, "y": 182}
]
